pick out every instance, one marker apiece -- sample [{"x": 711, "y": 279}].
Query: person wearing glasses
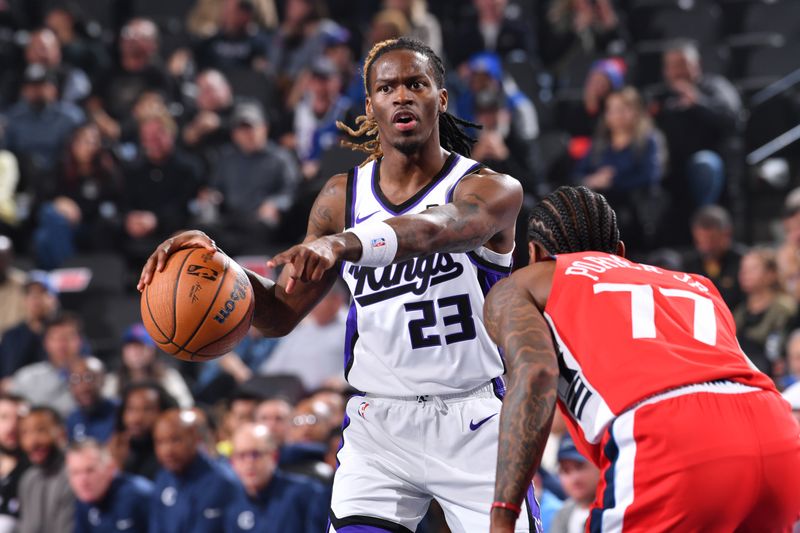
[
  {"x": 269, "y": 496},
  {"x": 95, "y": 415}
]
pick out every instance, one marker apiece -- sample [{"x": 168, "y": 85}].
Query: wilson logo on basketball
[
  {"x": 239, "y": 292},
  {"x": 203, "y": 272}
]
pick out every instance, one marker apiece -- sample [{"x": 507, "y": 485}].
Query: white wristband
[{"x": 378, "y": 244}]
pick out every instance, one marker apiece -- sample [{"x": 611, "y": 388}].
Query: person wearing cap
[
  {"x": 140, "y": 362},
  {"x": 22, "y": 344},
  {"x": 251, "y": 208},
  {"x": 715, "y": 255},
  {"x": 47, "y": 382},
  {"x": 39, "y": 124},
  {"x": 579, "y": 477},
  {"x": 95, "y": 416},
  {"x": 316, "y": 115}
]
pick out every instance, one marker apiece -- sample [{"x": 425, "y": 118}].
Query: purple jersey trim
[{"x": 427, "y": 189}]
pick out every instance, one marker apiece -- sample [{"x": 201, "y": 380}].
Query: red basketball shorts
[{"x": 707, "y": 458}]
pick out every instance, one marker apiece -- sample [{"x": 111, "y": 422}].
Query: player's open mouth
[{"x": 404, "y": 120}]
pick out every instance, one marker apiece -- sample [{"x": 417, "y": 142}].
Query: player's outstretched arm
[
  {"x": 515, "y": 323},
  {"x": 485, "y": 206},
  {"x": 279, "y": 305}
]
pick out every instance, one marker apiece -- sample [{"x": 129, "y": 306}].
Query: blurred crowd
[{"x": 122, "y": 122}]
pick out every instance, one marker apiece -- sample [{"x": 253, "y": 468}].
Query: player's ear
[
  {"x": 368, "y": 106},
  {"x": 621, "y": 249},
  {"x": 443, "y": 97},
  {"x": 531, "y": 253}
]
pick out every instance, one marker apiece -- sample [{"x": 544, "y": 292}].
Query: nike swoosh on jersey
[
  {"x": 473, "y": 426},
  {"x": 359, "y": 220}
]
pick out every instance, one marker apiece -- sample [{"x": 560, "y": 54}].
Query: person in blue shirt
[
  {"x": 95, "y": 415},
  {"x": 270, "y": 500},
  {"x": 107, "y": 500},
  {"x": 191, "y": 490}
]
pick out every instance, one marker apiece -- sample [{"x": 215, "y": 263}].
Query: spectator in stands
[
  {"x": 789, "y": 252},
  {"x": 792, "y": 360},
  {"x": 107, "y": 500},
  {"x": 698, "y": 113},
  {"x": 46, "y": 502},
  {"x": 220, "y": 376},
  {"x": 46, "y": 382},
  {"x": 307, "y": 441},
  {"x": 267, "y": 495},
  {"x": 762, "y": 319},
  {"x": 241, "y": 409},
  {"x": 159, "y": 186},
  {"x": 238, "y": 42},
  {"x": 484, "y": 73},
  {"x": 82, "y": 212},
  {"x": 132, "y": 444},
  {"x": 140, "y": 362},
  {"x": 95, "y": 416},
  {"x": 137, "y": 70},
  {"x": 572, "y": 27},
  {"x": 209, "y": 128},
  {"x": 316, "y": 115},
  {"x": 276, "y": 415},
  {"x": 491, "y": 29},
  {"x": 206, "y": 15},
  {"x": 12, "y": 287},
  {"x": 77, "y": 49},
  {"x": 253, "y": 182},
  {"x": 39, "y": 124},
  {"x": 605, "y": 76},
  {"x": 499, "y": 145},
  {"x": 312, "y": 351},
  {"x": 579, "y": 477},
  {"x": 191, "y": 491},
  {"x": 424, "y": 24},
  {"x": 792, "y": 395},
  {"x": 625, "y": 163},
  {"x": 300, "y": 37},
  {"x": 715, "y": 255},
  {"x": 22, "y": 345},
  {"x": 13, "y": 462},
  {"x": 44, "y": 49}
]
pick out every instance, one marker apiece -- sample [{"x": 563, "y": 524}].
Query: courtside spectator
[
  {"x": 238, "y": 43},
  {"x": 268, "y": 496},
  {"x": 791, "y": 374},
  {"x": 191, "y": 490},
  {"x": 763, "y": 317},
  {"x": 276, "y": 415},
  {"x": 77, "y": 49},
  {"x": 72, "y": 82},
  {"x": 140, "y": 362},
  {"x": 47, "y": 382},
  {"x": 307, "y": 441},
  {"x": 132, "y": 444},
  {"x": 579, "y": 477},
  {"x": 208, "y": 126},
  {"x": 715, "y": 254},
  {"x": 12, "y": 287},
  {"x": 13, "y": 462},
  {"x": 96, "y": 416},
  {"x": 312, "y": 351},
  {"x": 46, "y": 502},
  {"x": 22, "y": 344},
  {"x": 241, "y": 409},
  {"x": 107, "y": 500}
]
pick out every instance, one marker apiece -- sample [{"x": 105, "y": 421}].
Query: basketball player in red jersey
[
  {"x": 419, "y": 232},
  {"x": 645, "y": 365}
]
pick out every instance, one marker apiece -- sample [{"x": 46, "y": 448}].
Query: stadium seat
[
  {"x": 781, "y": 16},
  {"x": 699, "y": 20}
]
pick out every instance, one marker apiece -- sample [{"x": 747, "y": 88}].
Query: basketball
[{"x": 200, "y": 306}]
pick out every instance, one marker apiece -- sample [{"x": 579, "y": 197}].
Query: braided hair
[
  {"x": 451, "y": 135},
  {"x": 574, "y": 219}
]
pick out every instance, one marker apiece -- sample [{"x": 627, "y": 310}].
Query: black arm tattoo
[{"x": 516, "y": 324}]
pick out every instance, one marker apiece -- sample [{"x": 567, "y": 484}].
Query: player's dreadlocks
[
  {"x": 574, "y": 219},
  {"x": 451, "y": 136}
]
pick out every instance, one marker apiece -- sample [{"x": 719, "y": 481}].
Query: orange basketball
[{"x": 200, "y": 306}]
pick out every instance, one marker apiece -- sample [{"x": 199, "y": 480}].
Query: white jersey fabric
[{"x": 416, "y": 327}]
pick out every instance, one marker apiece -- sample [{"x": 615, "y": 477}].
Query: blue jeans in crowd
[{"x": 706, "y": 173}]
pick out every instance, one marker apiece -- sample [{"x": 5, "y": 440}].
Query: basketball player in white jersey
[{"x": 419, "y": 233}]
